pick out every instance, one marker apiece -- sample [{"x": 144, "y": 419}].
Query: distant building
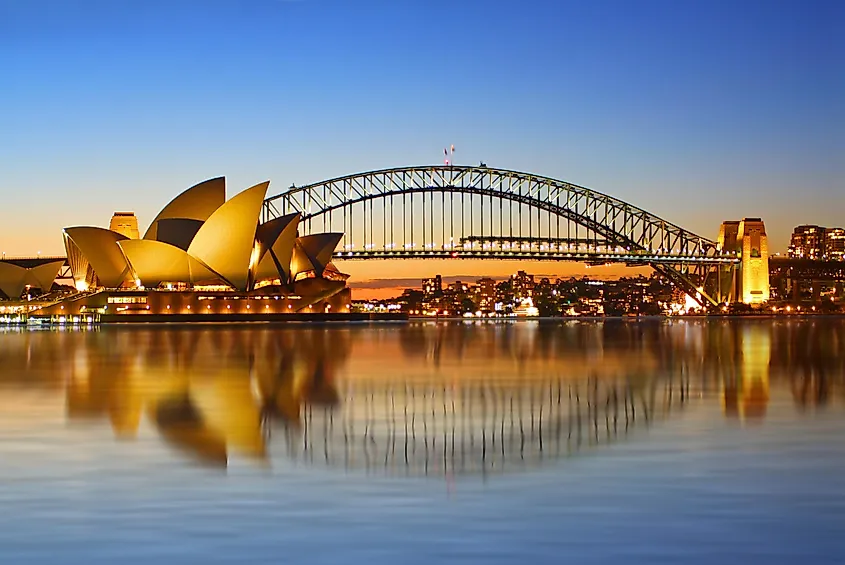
[
  {"x": 523, "y": 285},
  {"x": 486, "y": 294},
  {"x": 411, "y": 301},
  {"x": 817, "y": 243},
  {"x": 458, "y": 288},
  {"x": 432, "y": 288},
  {"x": 834, "y": 244},
  {"x": 455, "y": 297},
  {"x": 125, "y": 223},
  {"x": 807, "y": 242}
]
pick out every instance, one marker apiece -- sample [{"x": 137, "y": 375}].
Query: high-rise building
[
  {"x": 834, "y": 244},
  {"x": 523, "y": 285},
  {"x": 432, "y": 288},
  {"x": 125, "y": 223},
  {"x": 486, "y": 294},
  {"x": 456, "y": 295},
  {"x": 807, "y": 242}
]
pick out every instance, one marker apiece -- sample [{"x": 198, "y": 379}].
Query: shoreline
[{"x": 127, "y": 320}]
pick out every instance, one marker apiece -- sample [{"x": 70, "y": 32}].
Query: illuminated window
[{"x": 127, "y": 300}]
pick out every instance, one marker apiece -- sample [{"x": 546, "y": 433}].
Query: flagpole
[{"x": 451, "y": 163}]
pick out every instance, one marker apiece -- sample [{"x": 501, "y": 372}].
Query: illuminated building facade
[
  {"x": 458, "y": 289},
  {"x": 486, "y": 294},
  {"x": 834, "y": 244},
  {"x": 807, "y": 242},
  {"x": 204, "y": 254},
  {"x": 817, "y": 243},
  {"x": 432, "y": 288},
  {"x": 523, "y": 285}
]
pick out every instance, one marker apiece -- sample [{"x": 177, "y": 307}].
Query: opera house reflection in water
[{"x": 426, "y": 398}]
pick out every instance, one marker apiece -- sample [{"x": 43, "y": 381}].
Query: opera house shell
[
  {"x": 16, "y": 275},
  {"x": 205, "y": 254}
]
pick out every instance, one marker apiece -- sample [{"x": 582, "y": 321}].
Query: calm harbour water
[{"x": 629, "y": 442}]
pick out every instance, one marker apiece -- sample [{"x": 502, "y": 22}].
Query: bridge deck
[{"x": 534, "y": 255}]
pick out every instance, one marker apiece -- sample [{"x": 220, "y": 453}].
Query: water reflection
[
  {"x": 449, "y": 398},
  {"x": 207, "y": 392},
  {"x": 477, "y": 427}
]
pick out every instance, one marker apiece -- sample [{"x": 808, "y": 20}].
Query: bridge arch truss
[{"x": 441, "y": 211}]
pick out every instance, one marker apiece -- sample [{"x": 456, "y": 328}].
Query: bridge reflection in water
[
  {"x": 416, "y": 399},
  {"x": 478, "y": 427}
]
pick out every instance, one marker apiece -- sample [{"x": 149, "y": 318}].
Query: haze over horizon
[{"x": 697, "y": 112}]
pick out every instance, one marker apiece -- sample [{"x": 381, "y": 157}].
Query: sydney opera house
[{"x": 203, "y": 255}]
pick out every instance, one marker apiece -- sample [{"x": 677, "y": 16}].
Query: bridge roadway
[
  {"x": 31, "y": 261},
  {"x": 633, "y": 258}
]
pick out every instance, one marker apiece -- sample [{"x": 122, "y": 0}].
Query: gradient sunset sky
[{"x": 696, "y": 111}]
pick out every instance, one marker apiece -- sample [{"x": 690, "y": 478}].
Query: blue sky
[{"x": 695, "y": 111}]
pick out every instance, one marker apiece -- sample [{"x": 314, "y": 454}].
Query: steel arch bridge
[{"x": 445, "y": 211}]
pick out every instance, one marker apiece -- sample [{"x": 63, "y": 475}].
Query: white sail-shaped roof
[
  {"x": 277, "y": 237},
  {"x": 226, "y": 241},
  {"x": 197, "y": 203},
  {"x": 12, "y": 279},
  {"x": 319, "y": 248},
  {"x": 42, "y": 276},
  {"x": 155, "y": 262},
  {"x": 178, "y": 231},
  {"x": 99, "y": 246}
]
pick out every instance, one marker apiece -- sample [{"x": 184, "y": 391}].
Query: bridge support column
[{"x": 747, "y": 238}]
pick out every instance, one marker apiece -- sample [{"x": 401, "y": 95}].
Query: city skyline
[{"x": 647, "y": 109}]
